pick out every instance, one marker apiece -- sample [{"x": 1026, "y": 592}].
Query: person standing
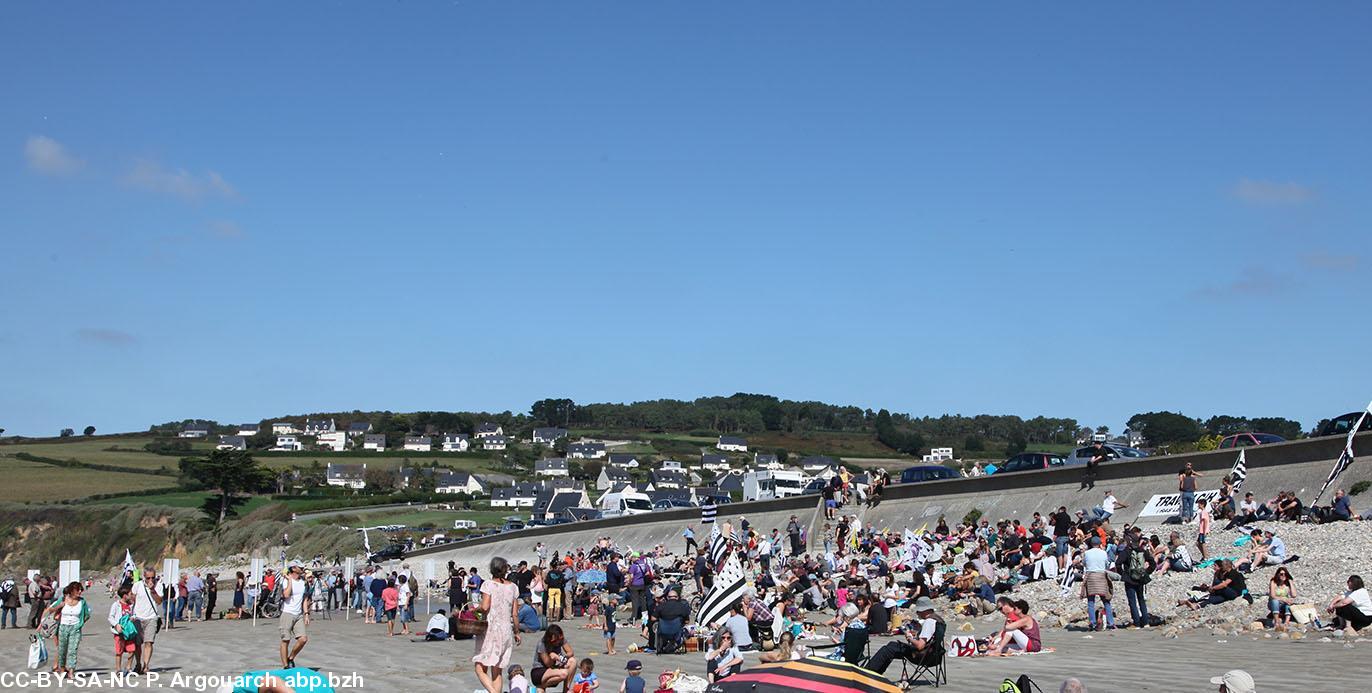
[
  {"x": 240, "y": 586},
  {"x": 1203, "y": 529},
  {"x": 211, "y": 594},
  {"x": 40, "y": 595},
  {"x": 496, "y": 645},
  {"x": 1095, "y": 583},
  {"x": 638, "y": 585},
  {"x": 690, "y": 537},
  {"x": 195, "y": 597},
  {"x": 124, "y": 643},
  {"x": 295, "y": 616},
  {"x": 9, "y": 604},
  {"x": 147, "y": 597},
  {"x": 793, "y": 533},
  {"x": 70, "y": 612},
  {"x": 1186, "y": 486},
  {"x": 1136, "y": 565}
]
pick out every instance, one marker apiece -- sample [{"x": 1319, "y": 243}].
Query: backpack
[
  {"x": 1137, "y": 568},
  {"x": 1019, "y": 685}
]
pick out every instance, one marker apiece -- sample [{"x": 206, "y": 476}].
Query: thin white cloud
[
  {"x": 1252, "y": 282},
  {"x": 1264, "y": 192},
  {"x": 153, "y": 177},
  {"x": 1331, "y": 261},
  {"x": 47, "y": 156},
  {"x": 223, "y": 228},
  {"x": 105, "y": 336}
]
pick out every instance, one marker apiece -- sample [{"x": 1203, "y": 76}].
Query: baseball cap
[
  {"x": 1236, "y": 681},
  {"x": 633, "y": 665}
]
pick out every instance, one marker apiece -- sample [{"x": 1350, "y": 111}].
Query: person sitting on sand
[
  {"x": 437, "y": 628},
  {"x": 1265, "y": 548},
  {"x": 1178, "y": 556},
  {"x": 1020, "y": 632},
  {"x": 1228, "y": 585},
  {"x": 1353, "y": 611}
]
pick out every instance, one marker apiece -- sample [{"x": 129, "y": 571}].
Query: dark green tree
[
  {"x": 230, "y": 474},
  {"x": 90, "y": 431},
  {"x": 1165, "y": 427},
  {"x": 67, "y": 433}
]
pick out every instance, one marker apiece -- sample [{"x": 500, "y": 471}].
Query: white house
[
  {"x": 232, "y": 443},
  {"x": 347, "y": 475},
  {"x": 487, "y": 430},
  {"x": 359, "y": 428},
  {"x": 669, "y": 479},
  {"x": 548, "y": 436},
  {"x": 249, "y": 430},
  {"x": 284, "y": 428},
  {"x": 815, "y": 464},
  {"x": 459, "y": 482},
  {"x": 336, "y": 441},
  {"x": 376, "y": 442},
  {"x": 714, "y": 462},
  {"x": 495, "y": 442},
  {"x": 456, "y": 442},
  {"x": 610, "y": 476},
  {"x": 288, "y": 444},
  {"x": 937, "y": 455},
  {"x": 586, "y": 451},
  {"x": 419, "y": 443},
  {"x": 732, "y": 444},
  {"x": 767, "y": 461},
  {"x": 622, "y": 460},
  {"x": 314, "y": 427},
  {"x": 669, "y": 464},
  {"x": 517, "y": 496},
  {"x": 765, "y": 484},
  {"x": 1134, "y": 439},
  {"x": 551, "y": 466},
  {"x": 195, "y": 430}
]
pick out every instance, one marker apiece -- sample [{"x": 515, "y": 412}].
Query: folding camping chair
[{"x": 932, "y": 666}]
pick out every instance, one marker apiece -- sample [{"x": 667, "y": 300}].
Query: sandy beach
[{"x": 1111, "y": 661}]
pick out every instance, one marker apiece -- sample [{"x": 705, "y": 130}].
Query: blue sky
[{"x": 234, "y": 211}]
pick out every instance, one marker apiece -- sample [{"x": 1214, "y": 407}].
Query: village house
[
  {"x": 816, "y": 464},
  {"x": 352, "y": 476},
  {"x": 487, "y": 430},
  {"x": 459, "y": 482},
  {"x": 249, "y": 430},
  {"x": 767, "y": 461},
  {"x": 622, "y": 460},
  {"x": 938, "y": 455},
  {"x": 548, "y": 436},
  {"x": 284, "y": 428},
  {"x": 520, "y": 495},
  {"x": 359, "y": 428},
  {"x": 732, "y": 444},
  {"x": 336, "y": 441},
  {"x": 375, "y": 442},
  {"x": 551, "y": 505},
  {"x": 609, "y": 476},
  {"x": 456, "y": 442},
  {"x": 232, "y": 443},
  {"x": 495, "y": 442},
  {"x": 288, "y": 444},
  {"x": 314, "y": 427},
  {"x": 551, "y": 466},
  {"x": 669, "y": 479},
  {"x": 713, "y": 462},
  {"x": 419, "y": 443},
  {"x": 195, "y": 430},
  {"x": 586, "y": 451}
]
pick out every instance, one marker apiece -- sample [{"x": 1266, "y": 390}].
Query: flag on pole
[
  {"x": 728, "y": 589},
  {"x": 719, "y": 546},
  {"x": 1345, "y": 457},
  {"x": 1240, "y": 471},
  {"x": 128, "y": 560}
]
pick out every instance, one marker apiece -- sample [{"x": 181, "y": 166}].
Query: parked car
[
  {"x": 1026, "y": 461},
  {"x": 512, "y": 524},
  {"x": 671, "y": 504},
  {"x": 389, "y": 552},
  {"x": 1339, "y": 426},
  {"x": 929, "y": 472},
  {"x": 719, "y": 499},
  {"x": 1243, "y": 440},
  {"x": 1113, "y": 451}
]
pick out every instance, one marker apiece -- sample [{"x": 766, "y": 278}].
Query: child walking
[{"x": 1203, "y": 529}]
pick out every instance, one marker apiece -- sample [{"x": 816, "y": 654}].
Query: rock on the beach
[{"x": 966, "y": 628}]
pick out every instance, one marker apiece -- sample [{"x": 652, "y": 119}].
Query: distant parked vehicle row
[
  {"x": 1340, "y": 426},
  {"x": 1243, "y": 440},
  {"x": 928, "y": 472}
]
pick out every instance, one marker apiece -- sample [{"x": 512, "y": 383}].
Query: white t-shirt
[
  {"x": 71, "y": 615},
  {"x": 437, "y": 621},
  {"x": 293, "y": 603},
  {"x": 1248, "y": 507},
  {"x": 1095, "y": 560},
  {"x": 1361, "y": 600},
  {"x": 144, "y": 608},
  {"x": 403, "y": 592},
  {"x": 1108, "y": 505},
  {"x": 926, "y": 629}
]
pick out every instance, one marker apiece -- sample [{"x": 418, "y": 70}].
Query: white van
[
  {"x": 625, "y": 503},
  {"x": 464, "y": 524}
]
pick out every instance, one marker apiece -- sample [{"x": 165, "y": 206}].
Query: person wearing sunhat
[
  {"x": 919, "y": 639},
  {"x": 1235, "y": 681},
  {"x": 633, "y": 683}
]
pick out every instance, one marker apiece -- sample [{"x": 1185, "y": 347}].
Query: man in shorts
[
  {"x": 147, "y": 597},
  {"x": 295, "y": 616}
]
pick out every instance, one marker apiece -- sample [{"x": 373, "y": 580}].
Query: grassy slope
[
  {"x": 96, "y": 450},
  {"x": 34, "y": 481}
]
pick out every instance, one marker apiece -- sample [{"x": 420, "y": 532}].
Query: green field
[
  {"x": 96, "y": 450},
  {"x": 35, "y": 481},
  {"x": 442, "y": 519}
]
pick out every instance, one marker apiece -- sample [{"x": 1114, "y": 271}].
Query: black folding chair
[{"x": 932, "y": 666}]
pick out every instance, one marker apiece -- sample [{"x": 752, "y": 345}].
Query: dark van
[{"x": 927, "y": 473}]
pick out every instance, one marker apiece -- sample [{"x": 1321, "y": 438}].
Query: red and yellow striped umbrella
[{"x": 809, "y": 674}]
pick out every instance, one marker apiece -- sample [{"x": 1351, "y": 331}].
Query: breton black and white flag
[
  {"x": 707, "y": 512},
  {"x": 1345, "y": 457},
  {"x": 1068, "y": 577},
  {"x": 728, "y": 590},
  {"x": 1240, "y": 471},
  {"x": 719, "y": 547}
]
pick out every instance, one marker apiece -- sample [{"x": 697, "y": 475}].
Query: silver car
[{"x": 1115, "y": 452}]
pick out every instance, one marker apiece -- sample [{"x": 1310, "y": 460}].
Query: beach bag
[
  {"x": 471, "y": 626},
  {"x": 128, "y": 630},
  {"x": 1022, "y": 684},
  {"x": 48, "y": 626},
  {"x": 38, "y": 652},
  {"x": 1303, "y": 613}
]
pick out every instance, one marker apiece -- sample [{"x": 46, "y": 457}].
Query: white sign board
[
  {"x": 430, "y": 572},
  {"x": 255, "y": 571},
  {"x": 349, "y": 568},
  {"x": 67, "y": 573},
  {"x": 1170, "y": 503},
  {"x": 33, "y": 574},
  {"x": 171, "y": 571}
]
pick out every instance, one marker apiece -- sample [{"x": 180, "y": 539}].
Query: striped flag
[
  {"x": 728, "y": 590},
  {"x": 707, "y": 512},
  {"x": 1068, "y": 578},
  {"x": 1345, "y": 457},
  {"x": 719, "y": 547},
  {"x": 1240, "y": 471}
]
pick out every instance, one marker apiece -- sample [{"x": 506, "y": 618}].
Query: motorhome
[
  {"x": 764, "y": 484},
  {"x": 464, "y": 524},
  {"x": 625, "y": 502}
]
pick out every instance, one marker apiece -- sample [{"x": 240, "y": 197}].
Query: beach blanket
[{"x": 1211, "y": 561}]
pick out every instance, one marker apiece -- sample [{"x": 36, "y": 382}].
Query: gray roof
[
  {"x": 549, "y": 433},
  {"x": 496, "y": 440},
  {"x": 374, "y": 438},
  {"x": 765, "y": 458},
  {"x": 455, "y": 479},
  {"x": 422, "y": 440},
  {"x": 732, "y": 440},
  {"x": 669, "y": 476},
  {"x": 818, "y": 461},
  {"x": 550, "y": 463},
  {"x": 236, "y": 441},
  {"x": 615, "y": 473},
  {"x": 487, "y": 427},
  {"x": 250, "y": 427},
  {"x": 585, "y": 447},
  {"x": 198, "y": 427},
  {"x": 338, "y": 470},
  {"x": 620, "y": 458},
  {"x": 359, "y": 426},
  {"x": 713, "y": 458}
]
